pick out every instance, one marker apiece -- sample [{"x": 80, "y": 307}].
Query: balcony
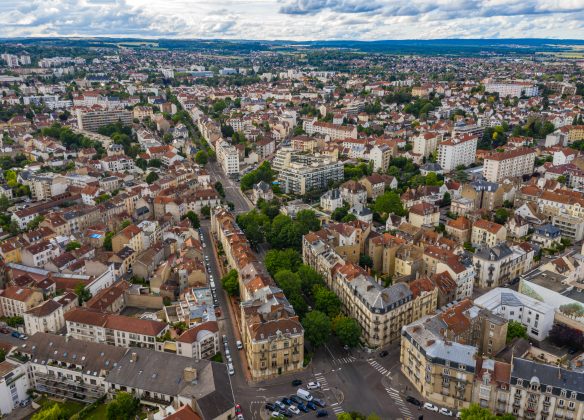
[
  {"x": 66, "y": 388},
  {"x": 149, "y": 399}
]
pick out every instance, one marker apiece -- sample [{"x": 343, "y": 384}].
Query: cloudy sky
[{"x": 295, "y": 19}]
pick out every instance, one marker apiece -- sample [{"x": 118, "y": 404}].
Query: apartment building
[
  {"x": 380, "y": 155},
  {"x": 424, "y": 214},
  {"x": 425, "y": 144},
  {"x": 500, "y": 264},
  {"x": 538, "y": 391},
  {"x": 512, "y": 89},
  {"x": 200, "y": 341},
  {"x": 504, "y": 165},
  {"x": 227, "y": 157},
  {"x": 457, "y": 151},
  {"x": 570, "y": 227},
  {"x": 536, "y": 316},
  {"x": 49, "y": 316},
  {"x": 14, "y": 384},
  {"x": 299, "y": 172},
  {"x": 575, "y": 133},
  {"x": 92, "y": 120},
  {"x": 485, "y": 232},
  {"x": 116, "y": 330},
  {"x": 15, "y": 300},
  {"x": 272, "y": 335},
  {"x": 332, "y": 131}
]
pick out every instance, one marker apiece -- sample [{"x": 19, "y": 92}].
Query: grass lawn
[
  {"x": 98, "y": 413},
  {"x": 69, "y": 407}
]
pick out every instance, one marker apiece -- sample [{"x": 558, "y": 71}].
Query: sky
[{"x": 298, "y": 20}]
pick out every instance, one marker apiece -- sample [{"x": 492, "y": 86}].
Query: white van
[{"x": 304, "y": 394}]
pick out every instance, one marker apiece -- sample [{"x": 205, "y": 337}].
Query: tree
[
  {"x": 34, "y": 223},
  {"x": 142, "y": 163},
  {"x": 53, "y": 412},
  {"x": 231, "y": 283},
  {"x": 309, "y": 278},
  {"x": 289, "y": 282},
  {"x": 107, "y": 242},
  {"x": 326, "y": 301},
  {"x": 446, "y": 199},
  {"x": 254, "y": 224},
  {"x": 317, "y": 328},
  {"x": 83, "y": 293},
  {"x": 73, "y": 245},
  {"x": 194, "y": 219},
  {"x": 516, "y": 329},
  {"x": 4, "y": 203},
  {"x": 501, "y": 216},
  {"x": 562, "y": 179},
  {"x": 365, "y": 261},
  {"x": 308, "y": 221},
  {"x": 285, "y": 259},
  {"x": 124, "y": 406},
  {"x": 347, "y": 330},
  {"x": 262, "y": 173},
  {"x": 339, "y": 213},
  {"x": 219, "y": 188},
  {"x": 476, "y": 412},
  {"x": 151, "y": 177},
  {"x": 201, "y": 157},
  {"x": 388, "y": 203},
  {"x": 206, "y": 211}
]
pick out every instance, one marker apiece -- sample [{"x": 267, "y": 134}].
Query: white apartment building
[
  {"x": 515, "y": 163},
  {"x": 15, "y": 301},
  {"x": 92, "y": 120},
  {"x": 457, "y": 151},
  {"x": 228, "y": 157},
  {"x": 380, "y": 156},
  {"x": 536, "y": 316},
  {"x": 14, "y": 383},
  {"x": 513, "y": 89},
  {"x": 332, "y": 131},
  {"x": 425, "y": 144},
  {"x": 49, "y": 316}
]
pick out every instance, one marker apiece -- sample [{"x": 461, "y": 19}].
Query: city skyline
[{"x": 297, "y": 20}]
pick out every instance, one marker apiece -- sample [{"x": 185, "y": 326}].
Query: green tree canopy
[
  {"x": 254, "y": 224},
  {"x": 347, "y": 329},
  {"x": 72, "y": 246},
  {"x": 124, "y": 406},
  {"x": 285, "y": 259},
  {"x": 231, "y": 283},
  {"x": 151, "y": 177},
  {"x": 476, "y": 412},
  {"x": 326, "y": 301},
  {"x": 388, "y": 203},
  {"x": 53, "y": 412},
  {"x": 201, "y": 157},
  {"x": 194, "y": 219},
  {"x": 516, "y": 329},
  {"x": 317, "y": 328}
]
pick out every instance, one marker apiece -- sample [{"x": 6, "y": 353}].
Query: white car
[
  {"x": 239, "y": 345},
  {"x": 430, "y": 407},
  {"x": 313, "y": 385},
  {"x": 294, "y": 410},
  {"x": 230, "y": 369},
  {"x": 446, "y": 412}
]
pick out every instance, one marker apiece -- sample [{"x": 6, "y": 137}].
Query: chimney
[
  {"x": 190, "y": 374},
  {"x": 133, "y": 356}
]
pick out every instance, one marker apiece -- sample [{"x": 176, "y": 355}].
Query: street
[{"x": 232, "y": 190}]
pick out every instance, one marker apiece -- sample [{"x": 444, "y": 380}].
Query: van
[
  {"x": 230, "y": 369},
  {"x": 304, "y": 394}
]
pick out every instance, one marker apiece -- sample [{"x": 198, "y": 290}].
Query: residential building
[
  {"x": 376, "y": 184},
  {"x": 380, "y": 155},
  {"x": 15, "y": 300},
  {"x": 14, "y": 384},
  {"x": 424, "y": 214},
  {"x": 331, "y": 200},
  {"x": 504, "y": 165},
  {"x": 500, "y": 264},
  {"x": 49, "y": 316},
  {"x": 262, "y": 190},
  {"x": 546, "y": 235},
  {"x": 485, "y": 232},
  {"x": 512, "y": 89},
  {"x": 332, "y": 131},
  {"x": 536, "y": 316},
  {"x": 200, "y": 341},
  {"x": 227, "y": 157},
  {"x": 456, "y": 152},
  {"x": 92, "y": 120}
]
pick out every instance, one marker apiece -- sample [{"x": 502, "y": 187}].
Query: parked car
[
  {"x": 311, "y": 405},
  {"x": 318, "y": 402},
  {"x": 431, "y": 407},
  {"x": 238, "y": 409},
  {"x": 280, "y": 405},
  {"x": 383, "y": 353},
  {"x": 302, "y": 407},
  {"x": 296, "y": 382},
  {"x": 277, "y": 415},
  {"x": 4, "y": 330},
  {"x": 414, "y": 401},
  {"x": 304, "y": 394},
  {"x": 230, "y": 369},
  {"x": 313, "y": 385},
  {"x": 446, "y": 412},
  {"x": 296, "y": 399},
  {"x": 239, "y": 345},
  {"x": 286, "y": 401},
  {"x": 16, "y": 334},
  {"x": 270, "y": 407},
  {"x": 322, "y": 413},
  {"x": 294, "y": 410}
]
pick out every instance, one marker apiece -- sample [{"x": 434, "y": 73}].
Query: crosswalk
[
  {"x": 397, "y": 399},
  {"x": 322, "y": 380},
  {"x": 375, "y": 365},
  {"x": 337, "y": 409},
  {"x": 344, "y": 360}
]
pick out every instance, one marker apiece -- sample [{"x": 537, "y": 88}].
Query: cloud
[
  {"x": 294, "y": 19},
  {"x": 309, "y": 7}
]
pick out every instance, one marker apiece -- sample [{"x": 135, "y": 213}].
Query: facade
[
  {"x": 456, "y": 152},
  {"x": 380, "y": 155},
  {"x": 332, "y": 131},
  {"x": 500, "y": 264},
  {"x": 49, "y": 316},
  {"x": 92, "y": 120},
  {"x": 14, "y": 384},
  {"x": 515, "y": 163},
  {"x": 513, "y": 89},
  {"x": 227, "y": 157},
  {"x": 15, "y": 301},
  {"x": 200, "y": 341},
  {"x": 300, "y": 173},
  {"x": 536, "y": 316},
  {"x": 424, "y": 214},
  {"x": 331, "y": 200},
  {"x": 487, "y": 233}
]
